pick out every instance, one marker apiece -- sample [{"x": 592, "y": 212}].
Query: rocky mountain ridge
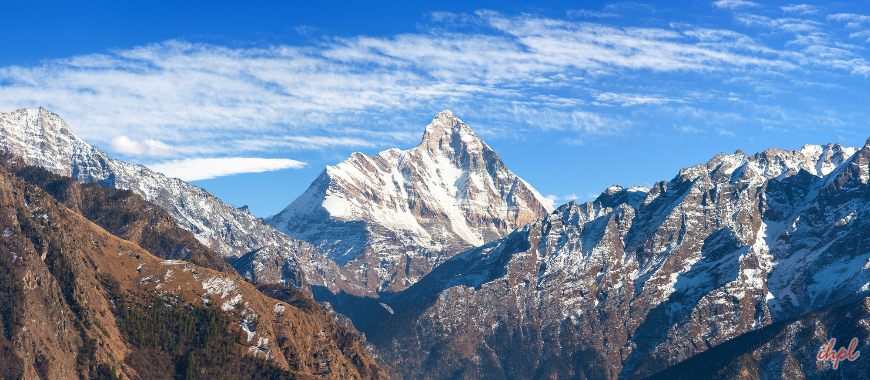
[
  {"x": 641, "y": 279},
  {"x": 392, "y": 217},
  {"x": 42, "y": 138},
  {"x": 79, "y": 302},
  {"x": 787, "y": 349},
  {"x": 120, "y": 212}
]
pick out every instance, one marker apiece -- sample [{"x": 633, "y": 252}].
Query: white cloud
[
  {"x": 791, "y": 25},
  {"x": 723, "y": 132},
  {"x": 514, "y": 71},
  {"x": 551, "y": 200},
  {"x": 864, "y": 34},
  {"x": 125, "y": 145},
  {"x": 626, "y": 100},
  {"x": 849, "y": 17},
  {"x": 801, "y": 9},
  {"x": 588, "y": 13},
  {"x": 734, "y": 4},
  {"x": 687, "y": 129},
  {"x": 570, "y": 197},
  {"x": 205, "y": 168},
  {"x": 630, "y": 7},
  {"x": 854, "y": 21}
]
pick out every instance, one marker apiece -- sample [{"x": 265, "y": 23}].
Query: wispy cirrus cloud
[
  {"x": 849, "y": 17},
  {"x": 588, "y": 13},
  {"x": 734, "y": 4},
  {"x": 802, "y": 9},
  {"x": 513, "y": 73},
  {"x": 723, "y": 132},
  {"x": 626, "y": 100},
  {"x": 854, "y": 22},
  {"x": 792, "y": 25},
  {"x": 199, "y": 97},
  {"x": 686, "y": 129}
]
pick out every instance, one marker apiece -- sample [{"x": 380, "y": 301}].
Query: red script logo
[{"x": 827, "y": 352}]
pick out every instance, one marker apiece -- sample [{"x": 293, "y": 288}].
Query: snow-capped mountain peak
[
  {"x": 408, "y": 210},
  {"x": 449, "y": 135}
]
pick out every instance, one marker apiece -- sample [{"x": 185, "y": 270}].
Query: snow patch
[
  {"x": 231, "y": 303},
  {"x": 219, "y": 285}
]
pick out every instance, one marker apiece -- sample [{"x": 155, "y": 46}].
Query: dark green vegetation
[
  {"x": 121, "y": 213},
  {"x": 175, "y": 341},
  {"x": 290, "y": 295}
]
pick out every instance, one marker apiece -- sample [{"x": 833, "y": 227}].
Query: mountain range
[
  {"x": 740, "y": 267},
  {"x": 642, "y": 279}
]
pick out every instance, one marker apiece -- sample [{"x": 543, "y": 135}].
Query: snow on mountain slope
[
  {"x": 641, "y": 279},
  {"x": 394, "y": 216},
  {"x": 42, "y": 138}
]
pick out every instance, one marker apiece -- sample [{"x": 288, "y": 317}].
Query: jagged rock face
[
  {"x": 271, "y": 265},
  {"x": 42, "y": 138},
  {"x": 642, "y": 278},
  {"x": 58, "y": 260},
  {"x": 788, "y": 349},
  {"x": 394, "y": 216}
]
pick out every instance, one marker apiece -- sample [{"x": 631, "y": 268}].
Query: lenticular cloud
[{"x": 206, "y": 168}]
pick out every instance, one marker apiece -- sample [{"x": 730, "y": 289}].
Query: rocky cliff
[{"x": 788, "y": 349}]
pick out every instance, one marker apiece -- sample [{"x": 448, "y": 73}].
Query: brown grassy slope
[
  {"x": 122, "y": 213},
  {"x": 65, "y": 326}
]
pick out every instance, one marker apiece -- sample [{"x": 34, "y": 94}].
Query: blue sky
[{"x": 574, "y": 96}]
